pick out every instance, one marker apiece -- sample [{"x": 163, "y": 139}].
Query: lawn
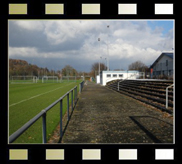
[{"x": 27, "y": 100}]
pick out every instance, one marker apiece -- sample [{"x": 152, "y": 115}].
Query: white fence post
[{"x": 167, "y": 94}]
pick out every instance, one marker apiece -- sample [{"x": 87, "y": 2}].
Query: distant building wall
[
  {"x": 106, "y": 76},
  {"x": 98, "y": 79},
  {"x": 164, "y": 66}
]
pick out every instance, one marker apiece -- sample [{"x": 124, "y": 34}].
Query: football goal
[
  {"x": 49, "y": 79},
  {"x": 68, "y": 79},
  {"x": 23, "y": 79}
]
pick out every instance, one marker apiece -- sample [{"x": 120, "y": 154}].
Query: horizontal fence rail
[{"x": 42, "y": 114}]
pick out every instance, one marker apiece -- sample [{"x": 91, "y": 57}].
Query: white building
[
  {"x": 163, "y": 65},
  {"x": 106, "y": 76}
]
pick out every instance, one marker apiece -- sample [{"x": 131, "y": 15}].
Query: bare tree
[
  {"x": 95, "y": 68},
  {"x": 69, "y": 71},
  {"x": 138, "y": 65}
]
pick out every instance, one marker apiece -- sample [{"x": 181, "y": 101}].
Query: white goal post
[
  {"x": 68, "y": 79},
  {"x": 23, "y": 79},
  {"x": 49, "y": 79}
]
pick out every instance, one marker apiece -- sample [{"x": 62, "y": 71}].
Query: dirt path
[{"x": 105, "y": 116}]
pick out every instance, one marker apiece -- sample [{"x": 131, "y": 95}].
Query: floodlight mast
[
  {"x": 108, "y": 50},
  {"x": 99, "y": 63},
  {"x": 99, "y": 58}
]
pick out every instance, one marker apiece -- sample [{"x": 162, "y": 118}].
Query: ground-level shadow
[{"x": 153, "y": 127}]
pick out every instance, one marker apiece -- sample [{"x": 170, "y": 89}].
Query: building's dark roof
[{"x": 169, "y": 54}]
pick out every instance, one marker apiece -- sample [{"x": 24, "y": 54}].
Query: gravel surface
[{"x": 105, "y": 116}]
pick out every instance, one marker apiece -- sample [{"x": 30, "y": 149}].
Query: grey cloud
[{"x": 19, "y": 37}]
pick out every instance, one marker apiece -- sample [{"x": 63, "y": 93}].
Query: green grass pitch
[{"x": 27, "y": 100}]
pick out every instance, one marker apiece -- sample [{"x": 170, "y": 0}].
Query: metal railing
[
  {"x": 81, "y": 86},
  {"x": 43, "y": 113},
  {"x": 125, "y": 79},
  {"x": 119, "y": 82},
  {"x": 167, "y": 94}
]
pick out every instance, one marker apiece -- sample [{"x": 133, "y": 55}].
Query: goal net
[
  {"x": 23, "y": 79},
  {"x": 68, "y": 79},
  {"x": 49, "y": 79}
]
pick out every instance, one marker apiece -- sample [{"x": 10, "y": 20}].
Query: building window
[
  {"x": 166, "y": 62},
  {"x": 114, "y": 75},
  {"x": 108, "y": 75},
  {"x": 120, "y": 75}
]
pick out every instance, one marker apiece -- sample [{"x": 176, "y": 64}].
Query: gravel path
[{"x": 105, "y": 116}]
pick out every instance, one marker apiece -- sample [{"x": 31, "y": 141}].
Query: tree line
[{"x": 19, "y": 67}]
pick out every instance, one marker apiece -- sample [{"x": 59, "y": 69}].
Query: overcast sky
[{"x": 56, "y": 43}]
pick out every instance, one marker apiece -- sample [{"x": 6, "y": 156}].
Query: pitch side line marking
[{"x": 36, "y": 96}]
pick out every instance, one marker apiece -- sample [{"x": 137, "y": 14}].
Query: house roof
[{"x": 169, "y": 54}]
